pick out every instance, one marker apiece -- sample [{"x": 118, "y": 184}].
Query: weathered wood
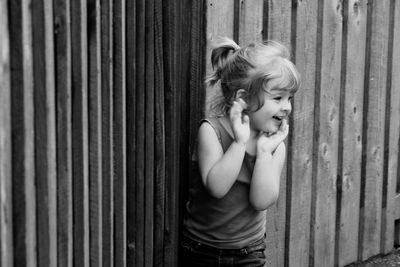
[
  {"x": 327, "y": 124},
  {"x": 159, "y": 140},
  {"x": 220, "y": 20},
  {"x": 351, "y": 130},
  {"x": 119, "y": 133},
  {"x": 22, "y": 153},
  {"x": 278, "y": 15},
  {"x": 80, "y": 133},
  {"x": 149, "y": 138},
  {"x": 374, "y": 127},
  {"x": 300, "y": 161},
  {"x": 131, "y": 131},
  {"x": 45, "y": 153},
  {"x": 140, "y": 134},
  {"x": 250, "y": 21},
  {"x": 107, "y": 132},
  {"x": 95, "y": 144},
  {"x": 393, "y": 135},
  {"x": 6, "y": 227},
  {"x": 62, "y": 40}
]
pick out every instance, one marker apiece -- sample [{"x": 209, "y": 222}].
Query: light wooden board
[
  {"x": 80, "y": 133},
  {"x": 393, "y": 103},
  {"x": 278, "y": 28},
  {"x": 327, "y": 129},
  {"x": 374, "y": 125},
  {"x": 6, "y": 230},
  {"x": 220, "y": 20},
  {"x": 95, "y": 144},
  {"x": 301, "y": 159},
  {"x": 250, "y": 21},
  {"x": 62, "y": 45},
  {"x": 351, "y": 148}
]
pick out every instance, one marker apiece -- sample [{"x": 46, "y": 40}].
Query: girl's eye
[{"x": 278, "y": 98}]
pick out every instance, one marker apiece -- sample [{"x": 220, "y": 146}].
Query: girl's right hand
[
  {"x": 240, "y": 123},
  {"x": 268, "y": 143}
]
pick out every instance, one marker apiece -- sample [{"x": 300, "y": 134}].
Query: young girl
[{"x": 240, "y": 155}]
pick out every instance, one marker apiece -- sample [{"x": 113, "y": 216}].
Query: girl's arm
[
  {"x": 271, "y": 153},
  {"x": 218, "y": 170},
  {"x": 264, "y": 187}
]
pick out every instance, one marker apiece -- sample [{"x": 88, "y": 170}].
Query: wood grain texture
[
  {"x": 131, "y": 88},
  {"x": 94, "y": 128},
  {"x": 352, "y": 101},
  {"x": 250, "y": 21},
  {"x": 45, "y": 131},
  {"x": 374, "y": 123},
  {"x": 391, "y": 213},
  {"x": 119, "y": 132},
  {"x": 300, "y": 161},
  {"x": 6, "y": 227},
  {"x": 149, "y": 136},
  {"x": 80, "y": 133},
  {"x": 107, "y": 132},
  {"x": 278, "y": 14},
  {"x": 324, "y": 195},
  {"x": 159, "y": 138},
  {"x": 220, "y": 20},
  {"x": 139, "y": 247},
  {"x": 62, "y": 45}
]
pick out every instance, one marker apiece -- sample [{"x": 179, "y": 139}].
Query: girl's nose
[{"x": 287, "y": 106}]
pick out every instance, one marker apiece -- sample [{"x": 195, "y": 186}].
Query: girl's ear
[{"x": 241, "y": 93}]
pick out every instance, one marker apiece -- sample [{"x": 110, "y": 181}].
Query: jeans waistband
[{"x": 256, "y": 246}]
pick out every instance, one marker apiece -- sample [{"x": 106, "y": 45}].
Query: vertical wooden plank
[
  {"x": 45, "y": 135},
  {"x": 394, "y": 135},
  {"x": 23, "y": 169},
  {"x": 131, "y": 85},
  {"x": 64, "y": 132},
  {"x": 250, "y": 21},
  {"x": 159, "y": 137},
  {"x": 278, "y": 14},
  {"x": 328, "y": 128},
  {"x": 220, "y": 21},
  {"x": 352, "y": 96},
  {"x": 149, "y": 138},
  {"x": 6, "y": 228},
  {"x": 374, "y": 125},
  {"x": 80, "y": 132},
  {"x": 119, "y": 133},
  {"x": 279, "y": 17},
  {"x": 95, "y": 145},
  {"x": 140, "y": 134},
  {"x": 107, "y": 131},
  {"x": 300, "y": 161}
]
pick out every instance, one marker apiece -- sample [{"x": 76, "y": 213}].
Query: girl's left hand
[{"x": 268, "y": 143}]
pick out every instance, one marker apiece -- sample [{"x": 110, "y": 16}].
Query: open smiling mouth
[{"x": 278, "y": 118}]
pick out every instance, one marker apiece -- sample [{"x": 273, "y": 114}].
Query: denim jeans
[{"x": 195, "y": 254}]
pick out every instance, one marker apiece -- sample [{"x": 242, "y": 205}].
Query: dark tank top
[{"x": 227, "y": 223}]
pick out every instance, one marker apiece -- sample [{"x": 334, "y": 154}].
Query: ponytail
[{"x": 219, "y": 55}]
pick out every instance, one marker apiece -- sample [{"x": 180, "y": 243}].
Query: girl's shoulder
[{"x": 220, "y": 125}]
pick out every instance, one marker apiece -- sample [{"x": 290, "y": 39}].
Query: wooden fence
[
  {"x": 99, "y": 104},
  {"x": 339, "y": 200}
]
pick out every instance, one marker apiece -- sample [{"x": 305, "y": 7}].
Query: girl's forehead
[{"x": 278, "y": 91}]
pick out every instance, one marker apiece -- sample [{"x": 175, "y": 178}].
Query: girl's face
[{"x": 277, "y": 107}]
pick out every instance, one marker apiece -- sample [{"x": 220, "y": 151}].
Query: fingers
[{"x": 236, "y": 110}]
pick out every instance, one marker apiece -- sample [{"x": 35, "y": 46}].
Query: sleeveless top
[{"x": 227, "y": 223}]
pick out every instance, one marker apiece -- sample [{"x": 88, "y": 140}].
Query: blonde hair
[{"x": 255, "y": 68}]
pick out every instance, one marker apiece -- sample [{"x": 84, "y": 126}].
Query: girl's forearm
[
  {"x": 264, "y": 187},
  {"x": 224, "y": 173}
]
